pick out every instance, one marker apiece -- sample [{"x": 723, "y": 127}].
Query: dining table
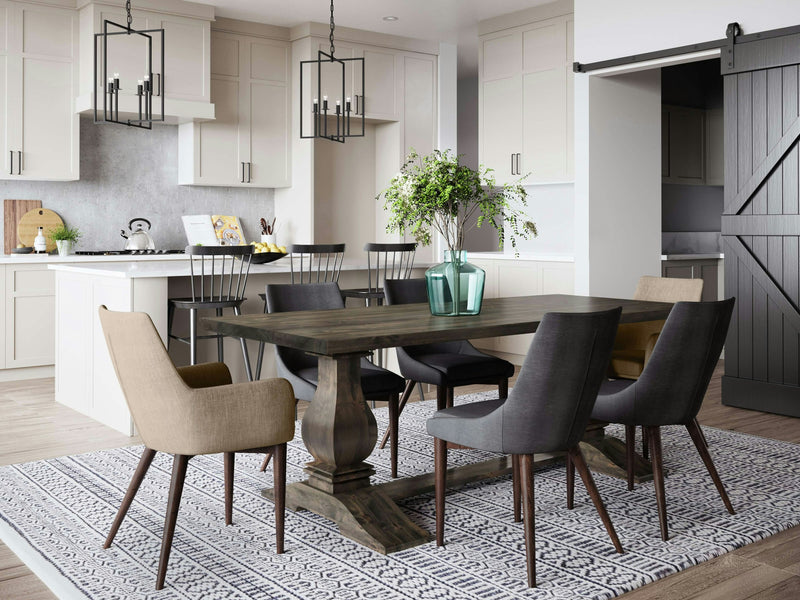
[{"x": 339, "y": 428}]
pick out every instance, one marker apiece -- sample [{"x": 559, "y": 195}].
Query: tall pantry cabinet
[{"x": 526, "y": 97}]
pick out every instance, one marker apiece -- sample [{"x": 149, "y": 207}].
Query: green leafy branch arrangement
[{"x": 435, "y": 191}]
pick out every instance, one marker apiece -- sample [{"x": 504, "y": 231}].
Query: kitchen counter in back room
[{"x": 85, "y": 379}]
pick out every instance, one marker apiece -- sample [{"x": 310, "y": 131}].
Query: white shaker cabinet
[
  {"x": 185, "y": 84},
  {"x": 29, "y": 302},
  {"x": 38, "y": 125},
  {"x": 248, "y": 144},
  {"x": 525, "y": 97}
]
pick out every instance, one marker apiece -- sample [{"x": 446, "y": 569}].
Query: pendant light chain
[
  {"x": 128, "y": 8},
  {"x": 332, "y": 28}
]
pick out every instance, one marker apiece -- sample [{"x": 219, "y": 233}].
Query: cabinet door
[
  {"x": 30, "y": 316},
  {"x": 50, "y": 127},
  {"x": 380, "y": 79},
  {"x": 419, "y": 104},
  {"x": 217, "y": 141},
  {"x": 545, "y": 103},
  {"x": 686, "y": 145},
  {"x": 715, "y": 143},
  {"x": 501, "y": 56},
  {"x": 501, "y": 136},
  {"x": 268, "y": 96},
  {"x": 185, "y": 57}
]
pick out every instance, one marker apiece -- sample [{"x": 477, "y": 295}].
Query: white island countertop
[{"x": 172, "y": 268}]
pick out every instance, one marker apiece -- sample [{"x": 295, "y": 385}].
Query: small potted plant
[
  {"x": 437, "y": 192},
  {"x": 65, "y": 238}
]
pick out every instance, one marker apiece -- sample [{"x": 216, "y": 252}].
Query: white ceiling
[{"x": 453, "y": 21}]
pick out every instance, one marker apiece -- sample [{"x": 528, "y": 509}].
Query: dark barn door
[{"x": 761, "y": 224}]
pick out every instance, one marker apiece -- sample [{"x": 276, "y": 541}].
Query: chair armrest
[
  {"x": 205, "y": 375},
  {"x": 234, "y": 417},
  {"x": 651, "y": 343}
]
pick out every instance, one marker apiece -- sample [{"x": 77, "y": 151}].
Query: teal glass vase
[{"x": 455, "y": 287}]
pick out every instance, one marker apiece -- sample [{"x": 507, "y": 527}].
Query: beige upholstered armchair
[
  {"x": 190, "y": 411},
  {"x": 635, "y": 341}
]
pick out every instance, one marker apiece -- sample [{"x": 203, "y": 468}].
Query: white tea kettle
[{"x": 139, "y": 239}]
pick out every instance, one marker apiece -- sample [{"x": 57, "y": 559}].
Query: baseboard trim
[
  {"x": 24, "y": 373},
  {"x": 761, "y": 395}
]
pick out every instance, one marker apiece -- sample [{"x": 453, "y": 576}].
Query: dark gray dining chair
[
  {"x": 547, "y": 411},
  {"x": 670, "y": 390},
  {"x": 309, "y": 263},
  {"x": 446, "y": 365},
  {"x": 218, "y": 279},
  {"x": 301, "y": 369}
]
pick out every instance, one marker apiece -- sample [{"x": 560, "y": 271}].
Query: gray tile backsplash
[
  {"x": 691, "y": 242},
  {"x": 128, "y": 173}
]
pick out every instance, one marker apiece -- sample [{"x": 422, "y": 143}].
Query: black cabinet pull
[
  {"x": 242, "y": 172},
  {"x": 512, "y": 164},
  {"x": 249, "y": 171},
  {"x": 11, "y": 171},
  {"x": 519, "y": 156},
  {"x": 19, "y": 162}
]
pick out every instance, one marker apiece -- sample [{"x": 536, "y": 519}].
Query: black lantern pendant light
[
  {"x": 109, "y": 87},
  {"x": 333, "y": 119}
]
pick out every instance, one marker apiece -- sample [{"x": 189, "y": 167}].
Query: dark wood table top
[{"x": 332, "y": 332}]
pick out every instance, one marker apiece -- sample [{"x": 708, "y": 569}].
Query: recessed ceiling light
[{"x": 390, "y": 18}]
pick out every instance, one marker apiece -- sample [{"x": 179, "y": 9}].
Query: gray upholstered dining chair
[
  {"x": 547, "y": 411},
  {"x": 218, "y": 278},
  {"x": 445, "y": 365},
  {"x": 301, "y": 369},
  {"x": 309, "y": 263},
  {"x": 670, "y": 390},
  {"x": 190, "y": 411}
]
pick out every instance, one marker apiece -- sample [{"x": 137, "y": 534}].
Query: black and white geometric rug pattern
[{"x": 56, "y": 513}]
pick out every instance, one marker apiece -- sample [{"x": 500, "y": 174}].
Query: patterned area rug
[{"x": 56, "y": 513}]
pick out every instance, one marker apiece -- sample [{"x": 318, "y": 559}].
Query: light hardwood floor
[{"x": 34, "y": 427}]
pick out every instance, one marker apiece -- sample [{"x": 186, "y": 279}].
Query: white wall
[
  {"x": 618, "y": 28},
  {"x": 617, "y": 182}
]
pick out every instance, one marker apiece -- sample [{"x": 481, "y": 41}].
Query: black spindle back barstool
[
  {"x": 218, "y": 278},
  {"x": 384, "y": 261}
]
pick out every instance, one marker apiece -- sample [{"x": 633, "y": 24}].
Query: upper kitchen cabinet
[
  {"x": 526, "y": 96},
  {"x": 38, "y": 80},
  {"x": 683, "y": 140},
  {"x": 247, "y": 145},
  {"x": 186, "y": 82}
]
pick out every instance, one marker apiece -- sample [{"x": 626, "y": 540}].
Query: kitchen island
[{"x": 85, "y": 379}]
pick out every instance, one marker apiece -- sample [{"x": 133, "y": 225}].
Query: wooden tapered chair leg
[
  {"x": 450, "y": 396},
  {"x": 656, "y": 459},
  {"x": 702, "y": 433},
  {"x": 570, "y": 482},
  {"x": 441, "y": 397},
  {"x": 529, "y": 518},
  {"x": 702, "y": 449},
  {"x": 179, "y": 464},
  {"x": 133, "y": 487},
  {"x": 403, "y": 400},
  {"x": 576, "y": 456},
  {"x": 630, "y": 453},
  {"x": 645, "y": 444},
  {"x": 517, "y": 487},
  {"x": 394, "y": 415},
  {"x": 229, "y": 461},
  {"x": 440, "y": 468},
  {"x": 279, "y": 483},
  {"x": 266, "y": 460}
]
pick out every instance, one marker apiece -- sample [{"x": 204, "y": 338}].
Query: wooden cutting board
[
  {"x": 31, "y": 221},
  {"x": 12, "y": 213}
]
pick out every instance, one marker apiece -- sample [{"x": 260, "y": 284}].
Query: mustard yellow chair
[
  {"x": 190, "y": 411},
  {"x": 635, "y": 341}
]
